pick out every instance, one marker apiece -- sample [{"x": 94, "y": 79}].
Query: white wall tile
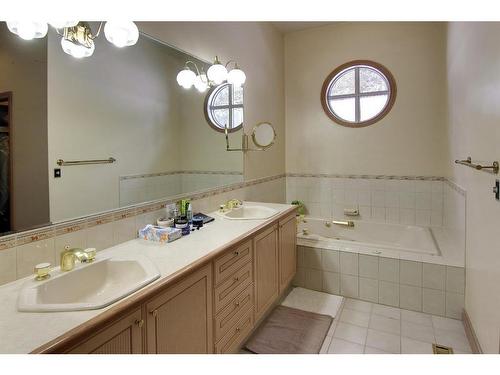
[
  {"x": 313, "y": 279},
  {"x": 100, "y": 236},
  {"x": 389, "y": 269},
  {"x": 423, "y": 200},
  {"x": 299, "y": 278},
  {"x": 388, "y": 293},
  {"x": 378, "y": 214},
  {"x": 406, "y": 200},
  {"x": 455, "y": 279},
  {"x": 124, "y": 230},
  {"x": 378, "y": 198},
  {"x": 423, "y": 217},
  {"x": 349, "y": 286},
  {"x": 29, "y": 255},
  {"x": 331, "y": 282},
  {"x": 454, "y": 305},
  {"x": 392, "y": 215},
  {"x": 391, "y": 199},
  {"x": 8, "y": 269},
  {"x": 330, "y": 260},
  {"x": 76, "y": 239},
  {"x": 312, "y": 257},
  {"x": 407, "y": 216}
]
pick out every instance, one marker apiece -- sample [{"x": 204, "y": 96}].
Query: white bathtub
[{"x": 394, "y": 240}]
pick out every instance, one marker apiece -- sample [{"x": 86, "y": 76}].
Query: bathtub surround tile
[
  {"x": 454, "y": 305},
  {"x": 455, "y": 279},
  {"x": 389, "y": 269},
  {"x": 349, "y": 285},
  {"x": 388, "y": 293},
  {"x": 423, "y": 200},
  {"x": 391, "y": 199},
  {"x": 410, "y": 297},
  {"x": 378, "y": 214},
  {"x": 423, "y": 217},
  {"x": 330, "y": 260},
  {"x": 300, "y": 256},
  {"x": 331, "y": 282},
  {"x": 348, "y": 263},
  {"x": 299, "y": 278},
  {"x": 392, "y": 215},
  {"x": 312, "y": 257},
  {"x": 434, "y": 276},
  {"x": 313, "y": 279},
  {"x": 368, "y": 289},
  {"x": 410, "y": 273},
  {"x": 8, "y": 269},
  {"x": 368, "y": 266},
  {"x": 407, "y": 216},
  {"x": 433, "y": 301}
]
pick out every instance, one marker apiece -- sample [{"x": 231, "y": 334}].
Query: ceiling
[{"x": 288, "y": 27}]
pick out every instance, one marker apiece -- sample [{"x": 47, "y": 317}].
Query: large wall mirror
[{"x": 123, "y": 104}]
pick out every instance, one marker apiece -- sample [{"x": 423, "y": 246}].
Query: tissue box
[{"x": 159, "y": 234}]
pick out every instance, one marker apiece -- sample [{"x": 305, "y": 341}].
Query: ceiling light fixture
[
  {"x": 216, "y": 74},
  {"x": 77, "y": 36}
]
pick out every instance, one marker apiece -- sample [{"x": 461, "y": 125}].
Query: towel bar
[
  {"x": 85, "y": 162},
  {"x": 468, "y": 162}
]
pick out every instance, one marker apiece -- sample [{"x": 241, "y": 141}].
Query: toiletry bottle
[{"x": 189, "y": 213}]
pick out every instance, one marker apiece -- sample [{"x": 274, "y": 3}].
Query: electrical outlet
[{"x": 57, "y": 172}]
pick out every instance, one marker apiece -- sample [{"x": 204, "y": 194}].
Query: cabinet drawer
[
  {"x": 233, "y": 286},
  {"x": 231, "y": 261},
  {"x": 237, "y": 333},
  {"x": 233, "y": 312}
]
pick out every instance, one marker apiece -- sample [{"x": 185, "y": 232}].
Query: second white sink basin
[
  {"x": 249, "y": 212},
  {"x": 88, "y": 287}
]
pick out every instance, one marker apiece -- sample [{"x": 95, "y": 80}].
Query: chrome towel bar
[
  {"x": 85, "y": 162},
  {"x": 468, "y": 162}
]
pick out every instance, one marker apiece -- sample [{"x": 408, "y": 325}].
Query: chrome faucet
[{"x": 70, "y": 255}]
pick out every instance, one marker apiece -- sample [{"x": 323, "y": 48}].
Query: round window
[
  {"x": 358, "y": 93},
  {"x": 224, "y": 107}
]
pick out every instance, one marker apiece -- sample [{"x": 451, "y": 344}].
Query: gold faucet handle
[
  {"x": 91, "y": 253},
  {"x": 42, "y": 271}
]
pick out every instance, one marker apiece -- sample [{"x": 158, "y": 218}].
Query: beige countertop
[{"x": 23, "y": 332}]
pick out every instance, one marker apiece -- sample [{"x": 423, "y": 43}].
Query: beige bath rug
[{"x": 290, "y": 331}]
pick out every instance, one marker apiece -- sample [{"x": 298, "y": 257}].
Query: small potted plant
[{"x": 301, "y": 210}]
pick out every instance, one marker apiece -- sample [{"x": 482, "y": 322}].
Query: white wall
[
  {"x": 23, "y": 71},
  {"x": 408, "y": 141},
  {"x": 258, "y": 48},
  {"x": 473, "y": 61}
]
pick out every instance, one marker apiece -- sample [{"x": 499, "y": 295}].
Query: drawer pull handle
[
  {"x": 139, "y": 323},
  {"x": 236, "y": 253},
  {"x": 236, "y": 304},
  {"x": 154, "y": 313},
  {"x": 238, "y": 330},
  {"x": 236, "y": 279}
]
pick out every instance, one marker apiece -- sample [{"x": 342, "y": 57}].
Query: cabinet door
[
  {"x": 266, "y": 270},
  {"x": 180, "y": 319},
  {"x": 122, "y": 337},
  {"x": 288, "y": 250}
]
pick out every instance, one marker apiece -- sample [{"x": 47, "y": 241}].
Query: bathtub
[{"x": 393, "y": 240}]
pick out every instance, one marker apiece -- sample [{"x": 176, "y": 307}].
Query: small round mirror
[{"x": 263, "y": 135}]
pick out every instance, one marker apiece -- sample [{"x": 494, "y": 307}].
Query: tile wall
[
  {"x": 19, "y": 253},
  {"x": 430, "y": 288}
]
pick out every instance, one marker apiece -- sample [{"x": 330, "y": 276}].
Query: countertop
[{"x": 23, "y": 332}]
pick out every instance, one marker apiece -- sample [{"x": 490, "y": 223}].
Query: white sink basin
[
  {"x": 249, "y": 212},
  {"x": 89, "y": 286}
]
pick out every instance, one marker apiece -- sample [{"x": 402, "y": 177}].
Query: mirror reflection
[{"x": 118, "y": 103}]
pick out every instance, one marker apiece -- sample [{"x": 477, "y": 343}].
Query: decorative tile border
[
  {"x": 131, "y": 177},
  {"x": 367, "y": 176},
  {"x": 460, "y": 190},
  {"x": 74, "y": 225}
]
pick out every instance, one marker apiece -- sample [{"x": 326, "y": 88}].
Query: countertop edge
[{"x": 73, "y": 336}]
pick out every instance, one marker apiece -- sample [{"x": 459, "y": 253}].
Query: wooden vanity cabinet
[
  {"x": 122, "y": 337},
  {"x": 180, "y": 319},
  {"x": 288, "y": 251},
  {"x": 266, "y": 267}
]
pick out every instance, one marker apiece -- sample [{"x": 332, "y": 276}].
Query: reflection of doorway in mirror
[{"x": 5, "y": 161}]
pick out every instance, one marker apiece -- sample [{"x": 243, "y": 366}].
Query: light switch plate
[{"x": 496, "y": 190}]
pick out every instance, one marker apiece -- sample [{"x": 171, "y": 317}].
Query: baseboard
[{"x": 471, "y": 334}]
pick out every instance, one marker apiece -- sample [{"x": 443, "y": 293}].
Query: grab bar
[
  {"x": 348, "y": 223},
  {"x": 468, "y": 162},
  {"x": 85, "y": 162}
]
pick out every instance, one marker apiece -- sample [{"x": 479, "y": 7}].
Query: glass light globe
[
  {"x": 186, "y": 78},
  {"x": 28, "y": 30},
  {"x": 62, "y": 24},
  {"x": 200, "y": 82},
  {"x": 76, "y": 50},
  {"x": 121, "y": 33},
  {"x": 217, "y": 73},
  {"x": 236, "y": 77}
]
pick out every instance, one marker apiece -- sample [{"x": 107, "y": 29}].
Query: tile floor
[{"x": 364, "y": 327}]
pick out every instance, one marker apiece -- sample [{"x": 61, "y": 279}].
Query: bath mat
[
  {"x": 313, "y": 301},
  {"x": 290, "y": 331}
]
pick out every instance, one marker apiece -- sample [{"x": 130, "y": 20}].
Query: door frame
[{"x": 7, "y": 96}]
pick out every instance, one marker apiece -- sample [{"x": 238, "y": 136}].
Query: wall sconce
[
  {"x": 77, "y": 37},
  {"x": 216, "y": 74}
]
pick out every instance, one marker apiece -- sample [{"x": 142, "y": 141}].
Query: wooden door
[
  {"x": 266, "y": 270},
  {"x": 288, "y": 251},
  {"x": 179, "y": 320},
  {"x": 122, "y": 337}
]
